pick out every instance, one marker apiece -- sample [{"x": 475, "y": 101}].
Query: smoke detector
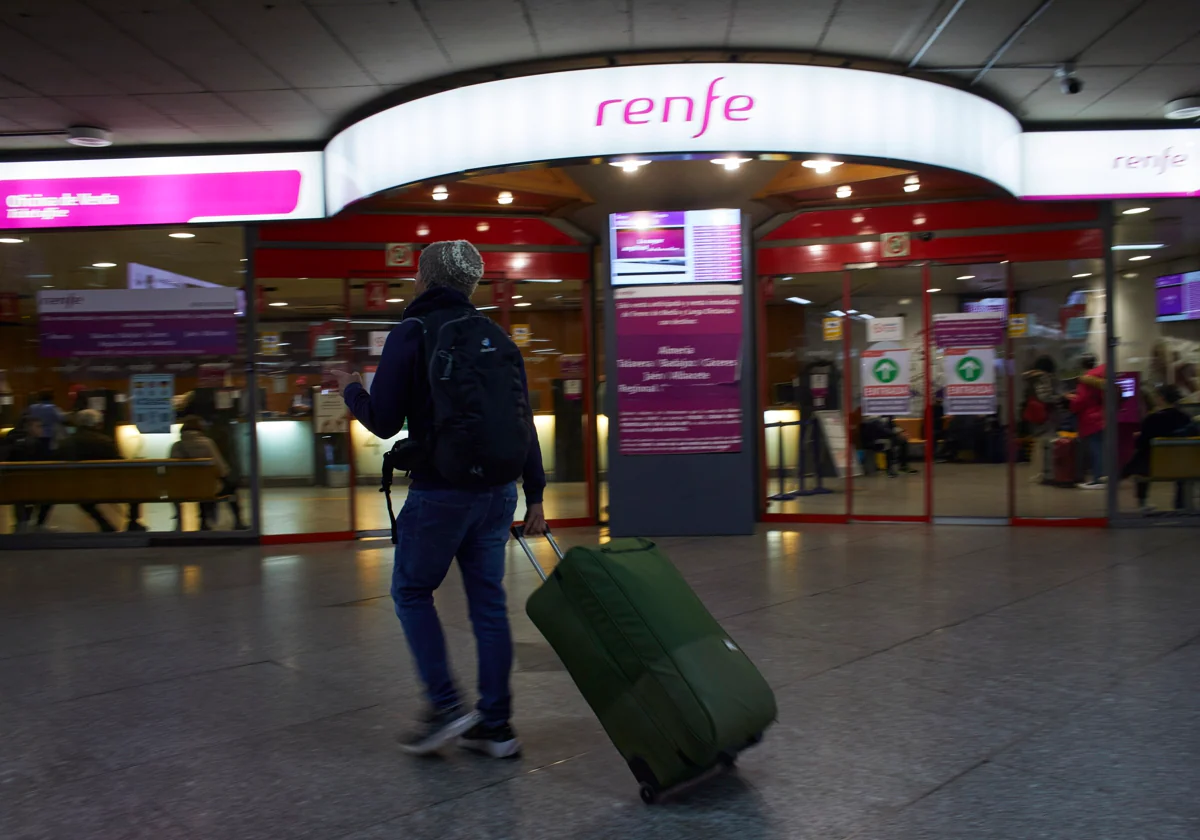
[
  {"x": 1187, "y": 108},
  {"x": 89, "y": 136}
]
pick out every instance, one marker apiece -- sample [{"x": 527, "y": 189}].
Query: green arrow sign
[
  {"x": 885, "y": 370},
  {"x": 969, "y": 369}
]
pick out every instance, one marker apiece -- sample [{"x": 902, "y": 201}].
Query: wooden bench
[{"x": 84, "y": 482}]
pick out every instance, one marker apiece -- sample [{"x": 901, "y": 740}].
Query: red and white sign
[
  {"x": 378, "y": 339},
  {"x": 887, "y": 382},
  {"x": 970, "y": 380},
  {"x": 895, "y": 244},
  {"x": 398, "y": 255},
  {"x": 885, "y": 329},
  {"x": 376, "y": 294}
]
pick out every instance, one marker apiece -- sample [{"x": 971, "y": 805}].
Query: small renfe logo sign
[{"x": 641, "y": 110}]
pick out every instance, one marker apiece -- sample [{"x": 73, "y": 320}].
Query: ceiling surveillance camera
[{"x": 1068, "y": 83}]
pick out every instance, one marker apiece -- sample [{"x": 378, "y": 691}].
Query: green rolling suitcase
[{"x": 673, "y": 691}]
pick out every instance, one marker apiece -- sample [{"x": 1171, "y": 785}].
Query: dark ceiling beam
[{"x": 1010, "y": 40}]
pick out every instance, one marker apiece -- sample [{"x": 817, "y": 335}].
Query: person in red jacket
[{"x": 1087, "y": 403}]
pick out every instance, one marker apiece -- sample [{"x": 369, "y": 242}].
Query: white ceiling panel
[
  {"x": 681, "y": 23},
  {"x": 338, "y": 101},
  {"x": 198, "y": 110},
  {"x": 91, "y": 42},
  {"x": 759, "y": 23},
  {"x": 581, "y": 26},
  {"x": 475, "y": 34},
  {"x": 289, "y": 39},
  {"x": 196, "y": 44},
  {"x": 37, "y": 113},
  {"x": 1067, "y": 28},
  {"x": 10, "y": 88},
  {"x": 1049, "y": 100},
  {"x": 126, "y": 111},
  {"x": 43, "y": 71},
  {"x": 877, "y": 27},
  {"x": 1154, "y": 30},
  {"x": 976, "y": 31},
  {"x": 389, "y": 40}
]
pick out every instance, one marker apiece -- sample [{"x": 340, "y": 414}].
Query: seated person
[
  {"x": 194, "y": 443},
  {"x": 1168, "y": 420},
  {"x": 24, "y": 443},
  {"x": 89, "y": 443},
  {"x": 881, "y": 434}
]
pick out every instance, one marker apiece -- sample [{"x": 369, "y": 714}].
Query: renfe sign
[
  {"x": 156, "y": 191},
  {"x": 674, "y": 108},
  {"x": 1111, "y": 164}
]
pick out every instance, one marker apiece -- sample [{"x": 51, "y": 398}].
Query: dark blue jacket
[{"x": 400, "y": 391}]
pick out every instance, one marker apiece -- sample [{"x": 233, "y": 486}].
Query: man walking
[{"x": 460, "y": 383}]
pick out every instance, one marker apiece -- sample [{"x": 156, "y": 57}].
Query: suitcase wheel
[{"x": 649, "y": 794}]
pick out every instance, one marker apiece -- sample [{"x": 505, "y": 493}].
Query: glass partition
[{"x": 125, "y": 380}]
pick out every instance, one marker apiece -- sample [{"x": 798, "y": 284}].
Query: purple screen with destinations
[{"x": 1178, "y": 296}]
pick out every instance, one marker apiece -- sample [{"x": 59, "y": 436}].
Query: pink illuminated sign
[{"x": 148, "y": 199}]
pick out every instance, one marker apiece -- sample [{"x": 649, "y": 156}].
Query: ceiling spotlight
[
  {"x": 844, "y": 191},
  {"x": 629, "y": 165},
  {"x": 104, "y": 265},
  {"x": 967, "y": 277},
  {"x": 520, "y": 262},
  {"x": 857, "y": 218},
  {"x": 440, "y": 193},
  {"x": 1139, "y": 257},
  {"x": 89, "y": 136},
  {"x": 9, "y": 240},
  {"x": 395, "y": 300},
  {"x": 932, "y": 291},
  {"x": 1133, "y": 211},
  {"x": 1068, "y": 83},
  {"x": 482, "y": 226},
  {"x": 182, "y": 235},
  {"x": 423, "y": 230},
  {"x": 799, "y": 300},
  {"x": 524, "y": 304},
  {"x": 912, "y": 183},
  {"x": 1082, "y": 274},
  {"x": 904, "y": 301},
  {"x": 504, "y": 198},
  {"x": 731, "y": 162},
  {"x": 517, "y": 297},
  {"x": 821, "y": 167},
  {"x": 277, "y": 303},
  {"x": 1187, "y": 108}
]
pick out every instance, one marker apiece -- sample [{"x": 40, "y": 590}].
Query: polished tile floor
[{"x": 952, "y": 682}]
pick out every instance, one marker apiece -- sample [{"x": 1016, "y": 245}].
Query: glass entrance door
[{"x": 971, "y": 411}]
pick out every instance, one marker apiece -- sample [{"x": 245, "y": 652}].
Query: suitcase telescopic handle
[{"x": 518, "y": 531}]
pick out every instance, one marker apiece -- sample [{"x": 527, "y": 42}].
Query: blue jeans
[
  {"x": 1095, "y": 450},
  {"x": 433, "y": 528}
]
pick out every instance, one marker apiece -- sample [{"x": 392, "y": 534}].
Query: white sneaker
[
  {"x": 1091, "y": 485},
  {"x": 496, "y": 741}
]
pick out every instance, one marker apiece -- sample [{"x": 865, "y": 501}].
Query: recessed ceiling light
[
  {"x": 104, "y": 265},
  {"x": 395, "y": 300},
  {"x": 517, "y": 297},
  {"x": 1130, "y": 275},
  {"x": 525, "y": 304},
  {"x": 520, "y": 262},
  {"x": 423, "y": 230},
  {"x": 531, "y": 280},
  {"x": 182, "y": 235},
  {"x": 504, "y": 198},
  {"x": 967, "y": 277},
  {"x": 731, "y": 162},
  {"x": 904, "y": 301},
  {"x": 48, "y": 286},
  {"x": 485, "y": 308},
  {"x": 857, "y": 218},
  {"x": 1133, "y": 211},
  {"x": 931, "y": 291},
  {"x": 837, "y": 313},
  {"x": 277, "y": 303},
  {"x": 799, "y": 300},
  {"x": 821, "y": 166},
  {"x": 1183, "y": 109},
  {"x": 844, "y": 191},
  {"x": 440, "y": 193},
  {"x": 1139, "y": 257},
  {"x": 9, "y": 240},
  {"x": 912, "y": 183},
  {"x": 1082, "y": 274},
  {"x": 482, "y": 226},
  {"x": 1145, "y": 246},
  {"x": 627, "y": 165}
]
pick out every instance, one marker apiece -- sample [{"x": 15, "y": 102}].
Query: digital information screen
[
  {"x": 1178, "y": 296},
  {"x": 692, "y": 246}
]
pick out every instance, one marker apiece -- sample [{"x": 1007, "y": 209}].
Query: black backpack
[{"x": 482, "y": 422}]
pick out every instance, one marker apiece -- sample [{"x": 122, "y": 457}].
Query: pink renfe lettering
[
  {"x": 1169, "y": 159},
  {"x": 678, "y": 108}
]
